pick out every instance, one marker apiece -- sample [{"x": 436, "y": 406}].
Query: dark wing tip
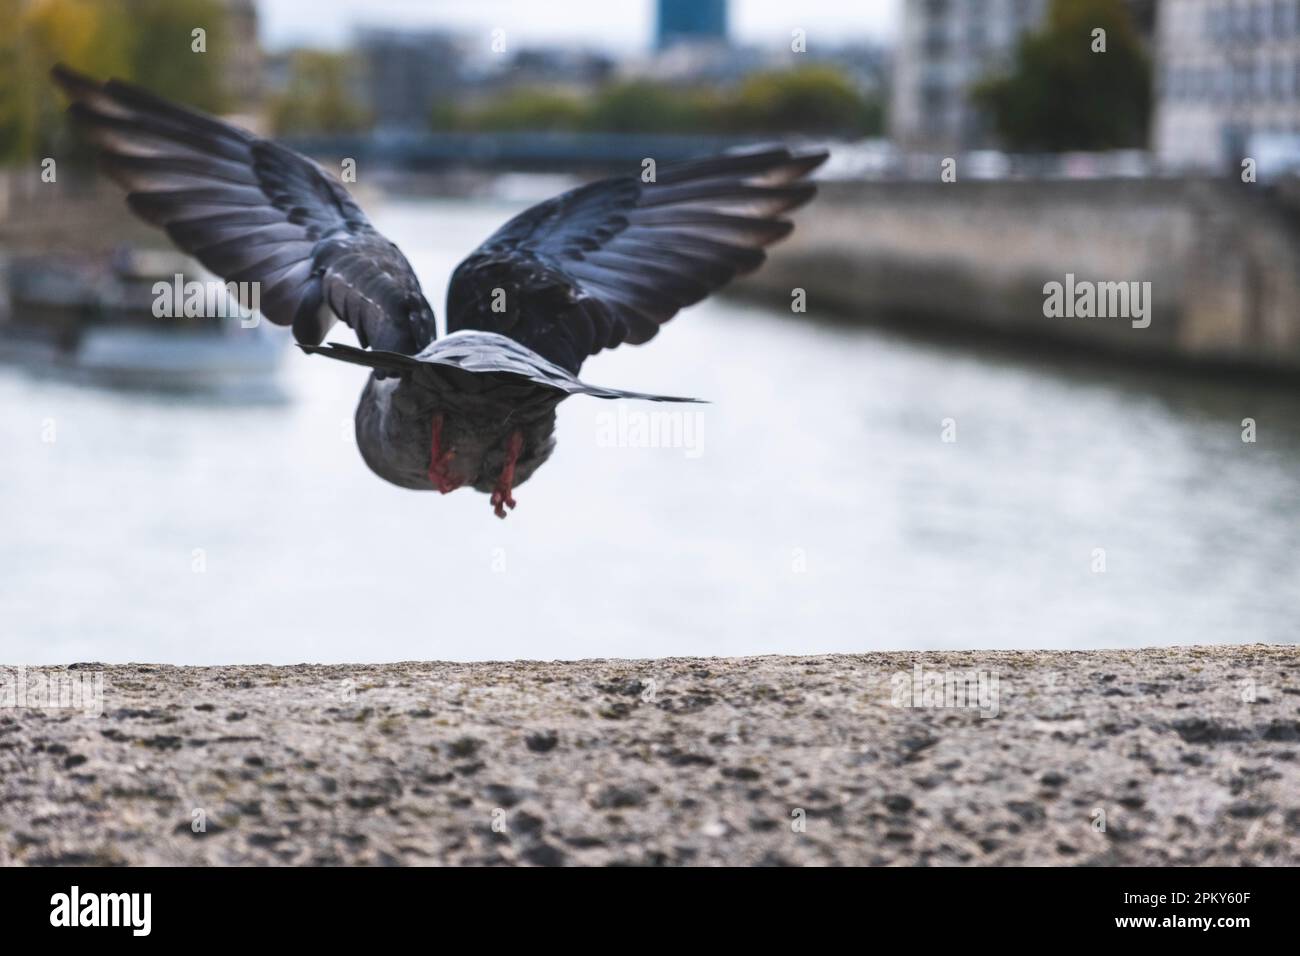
[
  {"x": 781, "y": 228},
  {"x": 74, "y": 84},
  {"x": 65, "y": 75},
  {"x": 814, "y": 158}
]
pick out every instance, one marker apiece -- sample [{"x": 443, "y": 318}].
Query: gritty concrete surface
[{"x": 1186, "y": 756}]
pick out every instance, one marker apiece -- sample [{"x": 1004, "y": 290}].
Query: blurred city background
[{"x": 921, "y": 457}]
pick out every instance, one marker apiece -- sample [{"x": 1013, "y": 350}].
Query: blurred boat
[{"x": 97, "y": 320}]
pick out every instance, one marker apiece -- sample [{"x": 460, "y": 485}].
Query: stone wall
[
  {"x": 822, "y": 760},
  {"x": 1222, "y": 259}
]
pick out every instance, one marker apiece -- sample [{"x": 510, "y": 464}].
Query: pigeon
[{"x": 598, "y": 266}]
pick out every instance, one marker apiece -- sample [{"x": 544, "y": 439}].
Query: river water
[{"x": 814, "y": 506}]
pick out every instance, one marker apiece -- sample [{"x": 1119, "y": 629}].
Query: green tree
[
  {"x": 643, "y": 107},
  {"x": 817, "y": 99},
  {"x": 162, "y": 55},
  {"x": 37, "y": 35},
  {"x": 319, "y": 97},
  {"x": 814, "y": 99},
  {"x": 1061, "y": 95},
  {"x": 516, "y": 110},
  {"x": 146, "y": 41}
]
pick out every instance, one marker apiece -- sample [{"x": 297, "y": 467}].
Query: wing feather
[
  {"x": 251, "y": 210},
  {"x": 611, "y": 261}
]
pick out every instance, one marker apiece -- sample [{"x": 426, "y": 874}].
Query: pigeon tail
[{"x": 541, "y": 372}]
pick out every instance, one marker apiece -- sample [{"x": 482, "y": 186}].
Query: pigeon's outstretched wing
[
  {"x": 612, "y": 261},
  {"x": 251, "y": 210}
]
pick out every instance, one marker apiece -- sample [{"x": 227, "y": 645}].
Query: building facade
[
  {"x": 407, "y": 74},
  {"x": 945, "y": 47},
  {"x": 242, "y": 64},
  {"x": 1227, "y": 71}
]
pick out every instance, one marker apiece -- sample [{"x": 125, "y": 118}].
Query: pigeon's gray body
[
  {"x": 394, "y": 433},
  {"x": 604, "y": 264},
  {"x": 485, "y": 384}
]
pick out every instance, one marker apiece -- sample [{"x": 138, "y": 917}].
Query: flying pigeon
[{"x": 595, "y": 267}]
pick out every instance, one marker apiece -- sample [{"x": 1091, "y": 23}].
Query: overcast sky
[{"x": 622, "y": 25}]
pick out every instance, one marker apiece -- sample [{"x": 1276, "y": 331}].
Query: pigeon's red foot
[
  {"x": 501, "y": 496},
  {"x": 439, "y": 475}
]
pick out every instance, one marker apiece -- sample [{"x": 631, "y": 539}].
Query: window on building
[
  {"x": 979, "y": 30},
  {"x": 937, "y": 44},
  {"x": 1242, "y": 22},
  {"x": 934, "y": 99},
  {"x": 1259, "y": 27},
  {"x": 1243, "y": 75},
  {"x": 1218, "y": 22}
]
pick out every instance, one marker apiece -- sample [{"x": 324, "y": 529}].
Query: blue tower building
[{"x": 691, "y": 20}]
